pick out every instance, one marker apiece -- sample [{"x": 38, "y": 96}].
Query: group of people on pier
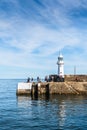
[
  {"x": 31, "y": 79},
  {"x": 50, "y": 78}
]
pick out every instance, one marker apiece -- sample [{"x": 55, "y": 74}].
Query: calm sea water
[{"x": 45, "y": 113}]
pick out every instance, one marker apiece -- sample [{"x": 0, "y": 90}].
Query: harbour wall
[
  {"x": 74, "y": 84},
  {"x": 79, "y": 78},
  {"x": 48, "y": 88},
  {"x": 61, "y": 88}
]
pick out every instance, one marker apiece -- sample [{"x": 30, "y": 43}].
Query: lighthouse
[{"x": 60, "y": 64}]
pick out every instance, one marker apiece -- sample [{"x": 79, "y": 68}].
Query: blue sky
[{"x": 32, "y": 32}]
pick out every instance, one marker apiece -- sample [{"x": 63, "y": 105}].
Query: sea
[{"x": 56, "y": 112}]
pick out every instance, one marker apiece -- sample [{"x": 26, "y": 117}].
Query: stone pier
[{"x": 48, "y": 88}]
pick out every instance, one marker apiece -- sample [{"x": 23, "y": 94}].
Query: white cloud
[{"x": 33, "y": 44}]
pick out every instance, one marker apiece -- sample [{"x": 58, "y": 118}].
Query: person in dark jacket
[{"x": 28, "y": 80}]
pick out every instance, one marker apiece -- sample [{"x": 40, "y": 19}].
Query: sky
[{"x": 33, "y": 32}]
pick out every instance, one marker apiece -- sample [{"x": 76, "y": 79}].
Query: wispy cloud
[{"x": 33, "y": 32}]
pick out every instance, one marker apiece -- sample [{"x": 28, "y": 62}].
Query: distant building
[
  {"x": 60, "y": 76},
  {"x": 60, "y": 64}
]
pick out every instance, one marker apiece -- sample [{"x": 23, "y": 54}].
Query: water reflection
[
  {"x": 54, "y": 110},
  {"x": 62, "y": 113},
  {"x": 60, "y": 100},
  {"x": 23, "y": 101}
]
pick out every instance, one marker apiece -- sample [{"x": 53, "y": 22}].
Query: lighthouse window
[{"x": 60, "y": 58}]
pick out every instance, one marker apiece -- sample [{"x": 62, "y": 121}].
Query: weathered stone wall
[
  {"x": 73, "y": 85},
  {"x": 23, "y": 92},
  {"x": 79, "y": 78},
  {"x": 63, "y": 88}
]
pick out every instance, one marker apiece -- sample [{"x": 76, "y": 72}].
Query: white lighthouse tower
[{"x": 60, "y": 64}]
